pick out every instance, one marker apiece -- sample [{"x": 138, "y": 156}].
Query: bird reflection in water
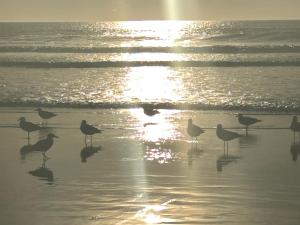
[
  {"x": 193, "y": 153},
  {"x": 43, "y": 172},
  {"x": 225, "y": 160},
  {"x": 295, "y": 150},
  {"x": 89, "y": 151}
]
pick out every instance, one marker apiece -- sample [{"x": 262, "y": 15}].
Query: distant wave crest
[
  {"x": 201, "y": 49},
  {"x": 159, "y": 105},
  {"x": 101, "y": 64}
]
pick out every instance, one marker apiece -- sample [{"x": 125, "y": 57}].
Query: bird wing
[
  {"x": 229, "y": 135},
  {"x": 92, "y": 129}
]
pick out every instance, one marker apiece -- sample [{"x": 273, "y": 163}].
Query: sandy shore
[{"x": 144, "y": 170}]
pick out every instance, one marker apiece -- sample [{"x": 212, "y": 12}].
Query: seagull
[
  {"x": 226, "y": 135},
  {"x": 28, "y": 126},
  {"x": 45, "y": 115},
  {"x": 149, "y": 110},
  {"x": 45, "y": 144},
  {"x": 193, "y": 130},
  {"x": 247, "y": 121},
  {"x": 295, "y": 125},
  {"x": 88, "y": 130}
]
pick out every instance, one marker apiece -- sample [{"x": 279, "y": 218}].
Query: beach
[{"x": 146, "y": 170}]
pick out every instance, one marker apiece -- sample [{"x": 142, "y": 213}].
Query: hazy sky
[{"x": 96, "y": 10}]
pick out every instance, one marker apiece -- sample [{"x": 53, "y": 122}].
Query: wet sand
[{"x": 146, "y": 170}]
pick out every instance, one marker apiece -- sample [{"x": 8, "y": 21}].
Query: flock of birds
[{"x": 193, "y": 130}]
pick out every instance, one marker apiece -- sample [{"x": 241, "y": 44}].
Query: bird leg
[
  {"x": 224, "y": 148},
  {"x": 246, "y": 130},
  {"x": 85, "y": 141},
  {"x": 227, "y": 148},
  {"x": 91, "y": 140}
]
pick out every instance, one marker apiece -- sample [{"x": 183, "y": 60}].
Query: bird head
[
  {"x": 295, "y": 118},
  {"x": 52, "y": 136},
  {"x": 239, "y": 115},
  {"x": 219, "y": 126},
  {"x": 38, "y": 109},
  {"x": 22, "y": 119},
  {"x": 83, "y": 121}
]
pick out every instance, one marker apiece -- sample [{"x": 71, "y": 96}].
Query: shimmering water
[
  {"x": 137, "y": 174},
  {"x": 217, "y": 65}
]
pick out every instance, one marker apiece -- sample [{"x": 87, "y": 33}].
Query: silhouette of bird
[
  {"x": 45, "y": 115},
  {"x": 45, "y": 144},
  {"x": 193, "y": 130},
  {"x": 28, "y": 126},
  {"x": 247, "y": 121},
  {"x": 295, "y": 126},
  {"x": 88, "y": 130},
  {"x": 149, "y": 110},
  {"x": 226, "y": 135}
]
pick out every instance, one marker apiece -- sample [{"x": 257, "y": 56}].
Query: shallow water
[{"x": 148, "y": 171}]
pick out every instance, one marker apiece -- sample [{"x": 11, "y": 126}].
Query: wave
[
  {"x": 166, "y": 105},
  {"x": 203, "y": 49},
  {"x": 103, "y": 64}
]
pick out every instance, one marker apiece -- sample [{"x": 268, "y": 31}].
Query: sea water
[{"x": 251, "y": 65}]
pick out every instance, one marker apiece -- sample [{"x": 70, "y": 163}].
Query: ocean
[{"x": 240, "y": 65}]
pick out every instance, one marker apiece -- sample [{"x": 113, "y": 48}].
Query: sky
[{"x": 110, "y": 10}]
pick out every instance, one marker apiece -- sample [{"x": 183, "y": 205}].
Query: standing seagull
[
  {"x": 88, "y": 130},
  {"x": 45, "y": 115},
  {"x": 295, "y": 126},
  {"x": 45, "y": 144},
  {"x": 193, "y": 130},
  {"x": 149, "y": 110},
  {"x": 247, "y": 121},
  {"x": 226, "y": 136},
  {"x": 28, "y": 126}
]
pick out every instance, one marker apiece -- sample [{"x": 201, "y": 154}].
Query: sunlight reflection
[
  {"x": 156, "y": 128},
  {"x": 150, "y": 214},
  {"x": 153, "y": 84},
  {"x": 155, "y": 33}
]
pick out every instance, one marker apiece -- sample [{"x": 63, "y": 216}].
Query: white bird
[
  {"x": 45, "y": 115},
  {"x": 193, "y": 130},
  {"x": 45, "y": 144},
  {"x": 226, "y": 135},
  {"x": 295, "y": 126},
  {"x": 149, "y": 110},
  {"x": 247, "y": 121},
  {"x": 88, "y": 130},
  {"x": 28, "y": 126}
]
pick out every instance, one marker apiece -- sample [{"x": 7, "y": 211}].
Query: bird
[
  {"x": 45, "y": 144},
  {"x": 295, "y": 125},
  {"x": 45, "y": 115},
  {"x": 28, "y": 126},
  {"x": 247, "y": 121},
  {"x": 193, "y": 130},
  {"x": 226, "y": 135},
  {"x": 149, "y": 110},
  {"x": 88, "y": 130}
]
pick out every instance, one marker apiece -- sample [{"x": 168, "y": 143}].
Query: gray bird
[
  {"x": 226, "y": 136},
  {"x": 247, "y": 121},
  {"x": 45, "y": 144},
  {"x": 88, "y": 130},
  {"x": 45, "y": 115},
  {"x": 28, "y": 126},
  {"x": 149, "y": 110},
  {"x": 295, "y": 125},
  {"x": 193, "y": 130}
]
